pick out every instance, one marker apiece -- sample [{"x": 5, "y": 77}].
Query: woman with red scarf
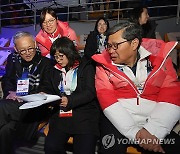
[{"x": 51, "y": 29}]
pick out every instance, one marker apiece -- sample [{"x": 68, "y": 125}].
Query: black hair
[
  {"x": 65, "y": 46},
  {"x": 136, "y": 13}
]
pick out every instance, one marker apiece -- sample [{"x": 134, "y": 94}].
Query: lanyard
[
  {"x": 61, "y": 87},
  {"x": 25, "y": 73}
]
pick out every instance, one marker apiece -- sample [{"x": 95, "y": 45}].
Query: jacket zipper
[
  {"x": 135, "y": 89},
  {"x": 137, "y": 92},
  {"x": 138, "y": 97},
  {"x": 158, "y": 68}
]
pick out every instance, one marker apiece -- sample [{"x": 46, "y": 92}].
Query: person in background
[
  {"x": 138, "y": 90},
  {"x": 73, "y": 78},
  {"x": 140, "y": 15},
  {"x": 25, "y": 73},
  {"x": 51, "y": 29},
  {"x": 97, "y": 39}
]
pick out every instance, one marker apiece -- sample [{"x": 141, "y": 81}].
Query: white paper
[
  {"x": 38, "y": 100},
  {"x": 33, "y": 97}
]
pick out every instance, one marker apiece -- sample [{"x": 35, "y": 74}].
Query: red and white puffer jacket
[{"x": 156, "y": 107}]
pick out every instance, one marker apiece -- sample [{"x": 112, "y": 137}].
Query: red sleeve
[{"x": 170, "y": 90}]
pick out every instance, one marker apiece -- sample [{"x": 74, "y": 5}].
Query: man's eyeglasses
[
  {"x": 50, "y": 22},
  {"x": 58, "y": 57},
  {"x": 114, "y": 45},
  {"x": 30, "y": 50}
]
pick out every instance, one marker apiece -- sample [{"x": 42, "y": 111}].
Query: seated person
[
  {"x": 140, "y": 15},
  {"x": 138, "y": 90},
  {"x": 73, "y": 78},
  {"x": 96, "y": 40},
  {"x": 27, "y": 66}
]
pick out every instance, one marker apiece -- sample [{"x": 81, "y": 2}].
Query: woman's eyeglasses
[
  {"x": 50, "y": 22},
  {"x": 56, "y": 57}
]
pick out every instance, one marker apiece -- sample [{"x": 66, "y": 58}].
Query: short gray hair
[
  {"x": 131, "y": 29},
  {"x": 20, "y": 34}
]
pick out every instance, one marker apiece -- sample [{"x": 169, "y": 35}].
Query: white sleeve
[
  {"x": 162, "y": 119},
  {"x": 122, "y": 120}
]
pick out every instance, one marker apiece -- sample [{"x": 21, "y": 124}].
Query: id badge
[
  {"x": 65, "y": 113},
  {"x": 22, "y": 87}
]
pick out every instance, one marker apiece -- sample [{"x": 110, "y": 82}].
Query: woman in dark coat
[
  {"x": 73, "y": 78},
  {"x": 97, "y": 39},
  {"x": 140, "y": 15}
]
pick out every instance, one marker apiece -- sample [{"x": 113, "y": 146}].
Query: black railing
[{"x": 28, "y": 11}]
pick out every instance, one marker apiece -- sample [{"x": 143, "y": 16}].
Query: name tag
[
  {"x": 65, "y": 114},
  {"x": 22, "y": 87}
]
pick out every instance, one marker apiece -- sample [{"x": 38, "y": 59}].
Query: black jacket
[
  {"x": 26, "y": 121},
  {"x": 91, "y": 44},
  {"x": 38, "y": 69},
  {"x": 149, "y": 29},
  {"x": 82, "y": 101}
]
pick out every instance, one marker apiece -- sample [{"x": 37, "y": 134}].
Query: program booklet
[{"x": 35, "y": 100}]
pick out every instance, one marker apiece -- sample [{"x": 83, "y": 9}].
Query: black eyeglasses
[
  {"x": 58, "y": 57},
  {"x": 30, "y": 50},
  {"x": 114, "y": 45},
  {"x": 50, "y": 21}
]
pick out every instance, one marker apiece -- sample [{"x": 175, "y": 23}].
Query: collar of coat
[{"x": 59, "y": 67}]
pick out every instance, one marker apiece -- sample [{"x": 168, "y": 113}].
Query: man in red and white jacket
[{"x": 138, "y": 90}]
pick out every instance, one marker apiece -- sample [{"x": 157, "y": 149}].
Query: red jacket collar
[{"x": 59, "y": 67}]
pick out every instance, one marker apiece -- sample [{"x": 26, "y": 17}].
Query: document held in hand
[{"x": 35, "y": 100}]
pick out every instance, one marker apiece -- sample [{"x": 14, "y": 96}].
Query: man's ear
[
  {"x": 135, "y": 43},
  {"x": 35, "y": 44}
]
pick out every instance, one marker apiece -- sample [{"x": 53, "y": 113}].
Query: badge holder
[{"x": 23, "y": 85}]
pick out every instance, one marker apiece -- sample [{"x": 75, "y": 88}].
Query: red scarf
[{"x": 59, "y": 67}]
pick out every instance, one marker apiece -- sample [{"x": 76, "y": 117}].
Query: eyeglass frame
[
  {"x": 115, "y": 45},
  {"x": 56, "y": 57},
  {"x": 24, "y": 51},
  {"x": 50, "y": 21}
]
